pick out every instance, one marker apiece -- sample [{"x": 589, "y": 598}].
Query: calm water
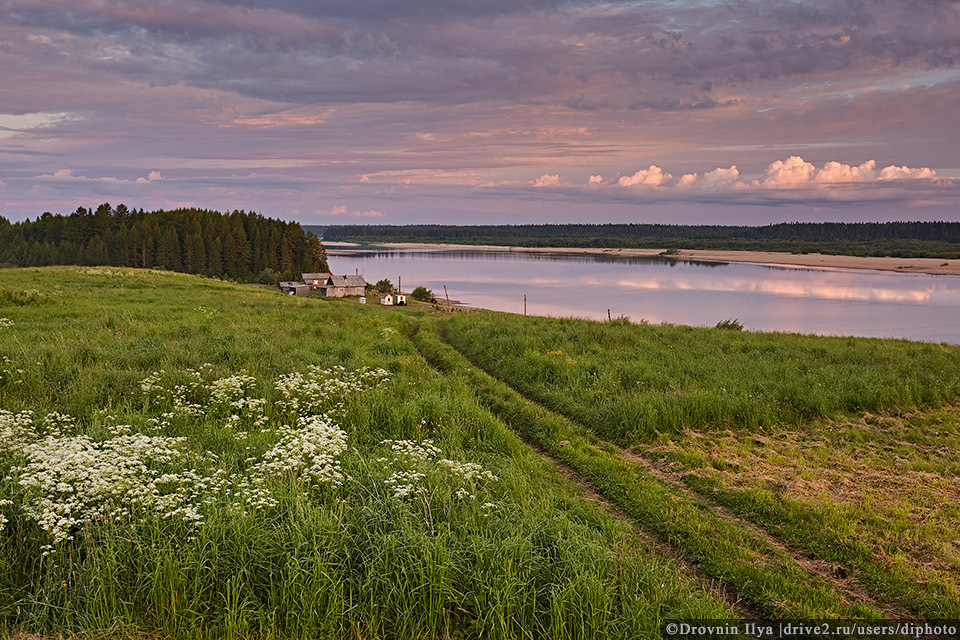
[{"x": 767, "y": 298}]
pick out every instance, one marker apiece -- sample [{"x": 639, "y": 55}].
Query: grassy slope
[
  {"x": 325, "y": 561},
  {"x": 630, "y": 383},
  {"x": 741, "y": 418}
]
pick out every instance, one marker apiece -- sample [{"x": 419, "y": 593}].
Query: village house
[
  {"x": 316, "y": 280},
  {"x": 340, "y": 286}
]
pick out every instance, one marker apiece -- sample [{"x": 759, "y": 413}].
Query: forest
[
  {"x": 896, "y": 239},
  {"x": 239, "y": 245}
]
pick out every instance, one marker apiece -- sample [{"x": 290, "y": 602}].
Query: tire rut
[
  {"x": 849, "y": 587},
  {"x": 826, "y": 570}
]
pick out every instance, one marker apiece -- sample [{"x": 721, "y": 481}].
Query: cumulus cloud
[
  {"x": 905, "y": 173},
  {"x": 833, "y": 172},
  {"x": 797, "y": 172},
  {"x": 792, "y": 172},
  {"x": 595, "y": 179},
  {"x": 153, "y": 176},
  {"x": 721, "y": 176},
  {"x": 652, "y": 176},
  {"x": 687, "y": 180},
  {"x": 547, "y": 180}
]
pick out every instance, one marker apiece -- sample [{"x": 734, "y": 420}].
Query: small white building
[{"x": 393, "y": 299}]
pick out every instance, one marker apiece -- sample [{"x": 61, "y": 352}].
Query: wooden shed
[{"x": 294, "y": 288}]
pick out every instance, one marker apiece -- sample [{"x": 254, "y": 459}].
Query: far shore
[{"x": 933, "y": 266}]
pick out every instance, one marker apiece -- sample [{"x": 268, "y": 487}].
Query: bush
[
  {"x": 422, "y": 293},
  {"x": 733, "y": 324},
  {"x": 383, "y": 286}
]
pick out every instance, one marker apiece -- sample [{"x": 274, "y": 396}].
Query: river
[{"x": 767, "y": 298}]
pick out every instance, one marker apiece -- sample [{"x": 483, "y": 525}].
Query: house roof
[
  {"x": 292, "y": 284},
  {"x": 316, "y": 276},
  {"x": 347, "y": 281}
]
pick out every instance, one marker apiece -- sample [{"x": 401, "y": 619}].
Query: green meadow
[{"x": 182, "y": 457}]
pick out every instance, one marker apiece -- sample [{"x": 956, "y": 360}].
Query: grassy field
[
  {"x": 844, "y": 450},
  {"x": 183, "y": 457},
  {"x": 195, "y": 464}
]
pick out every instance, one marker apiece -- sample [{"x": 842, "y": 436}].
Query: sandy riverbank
[{"x": 935, "y": 266}]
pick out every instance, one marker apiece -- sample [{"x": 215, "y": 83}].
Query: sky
[{"x": 484, "y": 111}]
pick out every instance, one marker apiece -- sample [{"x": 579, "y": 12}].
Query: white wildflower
[
  {"x": 310, "y": 450},
  {"x": 423, "y": 450},
  {"x": 403, "y": 483},
  {"x": 467, "y": 470}
]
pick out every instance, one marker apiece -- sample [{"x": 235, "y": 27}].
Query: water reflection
[
  {"x": 461, "y": 255},
  {"x": 657, "y": 289}
]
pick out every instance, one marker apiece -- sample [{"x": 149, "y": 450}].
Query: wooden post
[
  {"x": 524, "y": 304},
  {"x": 399, "y": 287},
  {"x": 608, "y": 315},
  {"x": 445, "y": 293}
]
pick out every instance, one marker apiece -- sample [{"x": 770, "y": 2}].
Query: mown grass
[
  {"x": 524, "y": 557},
  {"x": 630, "y": 383},
  {"x": 879, "y": 496},
  {"x": 773, "y": 426},
  {"x": 765, "y": 576}
]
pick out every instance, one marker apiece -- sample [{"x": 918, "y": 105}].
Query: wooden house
[
  {"x": 340, "y": 286},
  {"x": 316, "y": 280}
]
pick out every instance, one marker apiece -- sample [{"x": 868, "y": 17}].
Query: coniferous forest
[
  {"x": 239, "y": 245},
  {"x": 895, "y": 239}
]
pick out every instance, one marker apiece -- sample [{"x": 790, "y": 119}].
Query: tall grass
[
  {"x": 630, "y": 383},
  {"x": 519, "y": 556},
  {"x": 764, "y": 575}
]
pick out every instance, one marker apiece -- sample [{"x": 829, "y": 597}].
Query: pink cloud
[
  {"x": 721, "y": 176},
  {"x": 652, "y": 176},
  {"x": 547, "y": 180},
  {"x": 792, "y": 172},
  {"x": 901, "y": 173},
  {"x": 153, "y": 176},
  {"x": 342, "y": 210},
  {"x": 596, "y": 179},
  {"x": 834, "y": 172}
]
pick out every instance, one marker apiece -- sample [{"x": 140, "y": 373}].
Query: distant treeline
[
  {"x": 238, "y": 245},
  {"x": 898, "y": 239}
]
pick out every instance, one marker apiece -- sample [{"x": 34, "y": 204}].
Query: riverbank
[{"x": 932, "y": 266}]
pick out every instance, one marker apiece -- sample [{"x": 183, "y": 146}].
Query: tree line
[
  {"x": 898, "y": 239},
  {"x": 238, "y": 245}
]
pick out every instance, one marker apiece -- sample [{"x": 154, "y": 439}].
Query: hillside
[{"x": 185, "y": 457}]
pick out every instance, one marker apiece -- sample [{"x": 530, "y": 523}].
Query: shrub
[
  {"x": 733, "y": 324},
  {"x": 422, "y": 293}
]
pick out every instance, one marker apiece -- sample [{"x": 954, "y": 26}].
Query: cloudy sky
[{"x": 484, "y": 111}]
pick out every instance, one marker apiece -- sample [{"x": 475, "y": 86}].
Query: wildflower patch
[{"x": 63, "y": 480}]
